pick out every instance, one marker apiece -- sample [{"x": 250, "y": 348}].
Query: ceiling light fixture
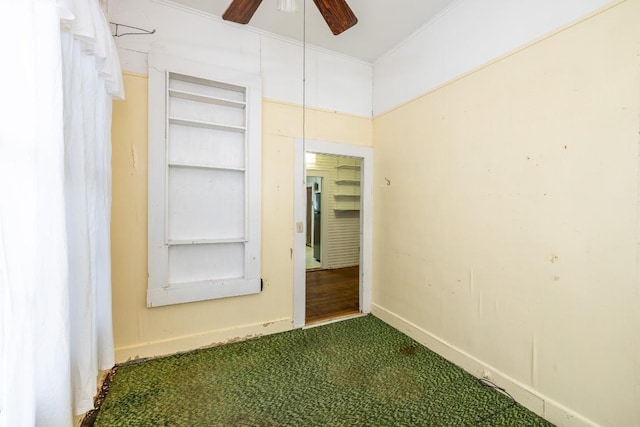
[{"x": 288, "y": 6}]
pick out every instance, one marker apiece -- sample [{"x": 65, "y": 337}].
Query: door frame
[{"x": 366, "y": 225}]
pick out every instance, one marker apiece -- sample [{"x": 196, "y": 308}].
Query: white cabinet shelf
[
  {"x": 205, "y": 125},
  {"x": 204, "y": 241},
  {"x": 347, "y": 202},
  {"x": 192, "y": 96},
  {"x": 350, "y": 167},
  {"x": 348, "y": 181},
  {"x": 202, "y": 166}
]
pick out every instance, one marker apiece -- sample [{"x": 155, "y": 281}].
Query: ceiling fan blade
[
  {"x": 338, "y": 15},
  {"x": 241, "y": 11}
]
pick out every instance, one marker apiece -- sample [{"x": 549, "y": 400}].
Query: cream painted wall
[
  {"x": 141, "y": 332},
  {"x": 508, "y": 237}
]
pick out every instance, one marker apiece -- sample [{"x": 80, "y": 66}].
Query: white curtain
[{"x": 60, "y": 71}]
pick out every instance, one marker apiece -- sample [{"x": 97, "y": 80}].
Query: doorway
[
  {"x": 333, "y": 236},
  {"x": 350, "y": 205}
]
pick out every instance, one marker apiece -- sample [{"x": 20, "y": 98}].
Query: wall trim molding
[
  {"x": 531, "y": 399},
  {"x": 206, "y": 339},
  {"x": 134, "y": 74},
  {"x": 316, "y": 109}
]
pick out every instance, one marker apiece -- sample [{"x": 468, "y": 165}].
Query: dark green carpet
[{"x": 358, "y": 372}]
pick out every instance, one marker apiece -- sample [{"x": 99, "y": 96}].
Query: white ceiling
[{"x": 382, "y": 24}]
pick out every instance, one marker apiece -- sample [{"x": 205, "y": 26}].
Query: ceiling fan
[{"x": 336, "y": 13}]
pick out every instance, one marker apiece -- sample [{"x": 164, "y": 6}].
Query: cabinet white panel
[
  {"x": 193, "y": 263},
  {"x": 205, "y": 111},
  {"x": 206, "y": 87},
  {"x": 206, "y": 204},
  {"x": 206, "y": 147}
]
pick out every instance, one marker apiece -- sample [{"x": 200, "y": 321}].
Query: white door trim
[{"x": 366, "y": 225}]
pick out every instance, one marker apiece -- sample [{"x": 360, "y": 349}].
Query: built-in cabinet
[
  {"x": 347, "y": 194},
  {"x": 204, "y": 182}
]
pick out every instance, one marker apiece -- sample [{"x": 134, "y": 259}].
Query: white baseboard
[
  {"x": 202, "y": 340},
  {"x": 531, "y": 399}
]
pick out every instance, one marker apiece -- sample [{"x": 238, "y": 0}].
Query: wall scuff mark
[{"x": 134, "y": 159}]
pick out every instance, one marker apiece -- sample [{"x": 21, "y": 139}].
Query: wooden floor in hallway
[{"x": 332, "y": 293}]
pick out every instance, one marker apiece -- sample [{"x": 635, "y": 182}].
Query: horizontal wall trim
[
  {"x": 134, "y": 74},
  {"x": 275, "y": 101},
  {"x": 318, "y": 109},
  {"x": 523, "y": 394},
  {"x": 500, "y": 58},
  {"x": 202, "y": 340}
]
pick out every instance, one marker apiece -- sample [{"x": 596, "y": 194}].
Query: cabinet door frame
[{"x": 160, "y": 290}]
